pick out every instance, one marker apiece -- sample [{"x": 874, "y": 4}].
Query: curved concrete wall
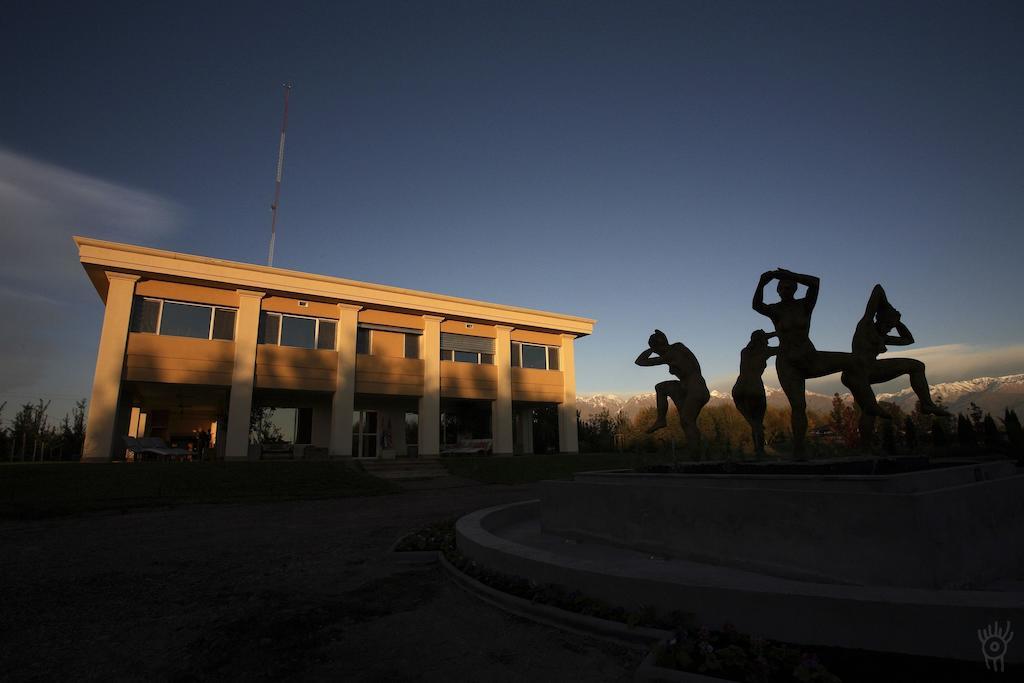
[
  {"x": 906, "y": 620},
  {"x": 967, "y": 534}
]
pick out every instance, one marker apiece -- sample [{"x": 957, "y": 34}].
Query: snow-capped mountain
[
  {"x": 992, "y": 394},
  {"x": 629, "y": 405}
]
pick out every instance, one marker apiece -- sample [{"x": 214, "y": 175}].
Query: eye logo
[{"x": 994, "y": 641}]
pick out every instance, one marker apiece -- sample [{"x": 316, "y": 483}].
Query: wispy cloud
[
  {"x": 945, "y": 363},
  {"x": 41, "y": 206},
  {"x": 951, "y": 362}
]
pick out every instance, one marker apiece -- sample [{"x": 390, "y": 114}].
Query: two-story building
[{"x": 191, "y": 344}]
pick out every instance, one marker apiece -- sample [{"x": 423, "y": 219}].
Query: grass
[
  {"x": 37, "y": 490},
  {"x": 522, "y": 469}
]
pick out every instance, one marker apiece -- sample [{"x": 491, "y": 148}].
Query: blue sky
[{"x": 640, "y": 163}]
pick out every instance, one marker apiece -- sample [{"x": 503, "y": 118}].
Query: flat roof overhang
[{"x": 98, "y": 256}]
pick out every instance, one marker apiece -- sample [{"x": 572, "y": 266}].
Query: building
[{"x": 190, "y": 345}]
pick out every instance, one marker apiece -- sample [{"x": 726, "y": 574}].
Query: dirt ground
[{"x": 284, "y": 591}]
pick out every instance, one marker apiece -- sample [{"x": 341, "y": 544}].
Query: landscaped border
[{"x": 652, "y": 641}]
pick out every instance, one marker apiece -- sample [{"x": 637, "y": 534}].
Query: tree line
[
  {"x": 726, "y": 434},
  {"x": 31, "y": 436}
]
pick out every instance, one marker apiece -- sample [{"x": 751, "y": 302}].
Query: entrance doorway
[{"x": 364, "y": 434}]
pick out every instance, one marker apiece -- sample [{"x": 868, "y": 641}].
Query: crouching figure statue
[{"x": 689, "y": 392}]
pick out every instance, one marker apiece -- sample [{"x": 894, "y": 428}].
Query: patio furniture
[
  {"x": 277, "y": 451},
  {"x": 469, "y": 447},
  {"x": 154, "y": 446}
]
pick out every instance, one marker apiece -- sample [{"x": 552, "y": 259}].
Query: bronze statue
[
  {"x": 870, "y": 339},
  {"x": 748, "y": 392},
  {"x": 797, "y": 359},
  {"x": 689, "y": 392}
]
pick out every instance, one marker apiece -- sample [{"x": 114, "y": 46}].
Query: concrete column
[
  {"x": 568, "y": 438},
  {"x": 344, "y": 401},
  {"x": 430, "y": 401},
  {"x": 526, "y": 430},
  {"x": 219, "y": 432},
  {"x": 501, "y": 407},
  {"x": 243, "y": 376},
  {"x": 106, "y": 382},
  {"x": 133, "y": 422}
]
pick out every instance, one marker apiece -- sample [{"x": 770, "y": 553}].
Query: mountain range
[{"x": 991, "y": 394}]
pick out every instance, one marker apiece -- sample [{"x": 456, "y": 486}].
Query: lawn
[
  {"x": 34, "y": 490},
  {"x": 522, "y": 469}
]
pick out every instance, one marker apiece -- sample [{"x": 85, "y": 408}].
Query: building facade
[{"x": 191, "y": 345}]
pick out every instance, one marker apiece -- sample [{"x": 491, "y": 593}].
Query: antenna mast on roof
[{"x": 280, "y": 169}]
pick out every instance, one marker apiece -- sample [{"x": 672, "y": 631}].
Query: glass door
[{"x": 364, "y": 434}]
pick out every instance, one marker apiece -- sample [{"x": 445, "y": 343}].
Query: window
[
  {"x": 145, "y": 315},
  {"x": 297, "y": 331},
  {"x": 185, "y": 320},
  {"x": 464, "y": 348},
  {"x": 363, "y": 341},
  {"x": 325, "y": 337},
  {"x": 412, "y": 345},
  {"x": 224, "y": 324},
  {"x": 270, "y": 328},
  {"x": 181, "y": 319},
  {"x": 467, "y": 357},
  {"x": 534, "y": 356}
]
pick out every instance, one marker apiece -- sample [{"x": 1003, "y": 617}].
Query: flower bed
[
  {"x": 724, "y": 653},
  {"x": 735, "y": 656}
]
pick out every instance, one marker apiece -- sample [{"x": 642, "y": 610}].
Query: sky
[{"x": 640, "y": 163}]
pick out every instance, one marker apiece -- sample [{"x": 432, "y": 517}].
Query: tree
[
  {"x": 1014, "y": 433},
  {"x": 890, "y": 429},
  {"x": 262, "y": 428},
  {"x": 72, "y": 432},
  {"x": 910, "y": 434},
  {"x": 31, "y": 433},
  {"x": 965, "y": 435},
  {"x": 992, "y": 437},
  {"x": 888, "y": 437},
  {"x": 938, "y": 431},
  {"x": 598, "y": 434},
  {"x": 976, "y": 415},
  {"x": 924, "y": 421},
  {"x": 844, "y": 421},
  {"x": 5, "y": 440}
]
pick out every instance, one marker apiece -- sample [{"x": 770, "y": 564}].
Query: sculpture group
[{"x": 797, "y": 360}]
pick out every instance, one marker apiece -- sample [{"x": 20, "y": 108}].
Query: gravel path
[{"x": 296, "y": 591}]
